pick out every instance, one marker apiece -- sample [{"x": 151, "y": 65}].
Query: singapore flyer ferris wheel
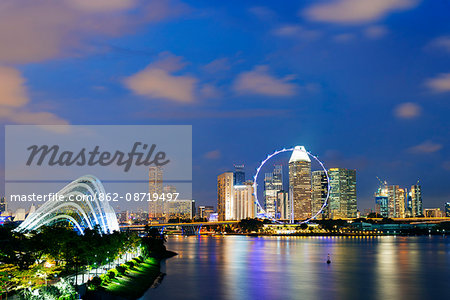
[{"x": 299, "y": 154}]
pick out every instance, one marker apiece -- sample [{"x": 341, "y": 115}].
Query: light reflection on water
[{"x": 239, "y": 267}]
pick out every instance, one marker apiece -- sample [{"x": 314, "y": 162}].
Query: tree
[{"x": 250, "y": 225}]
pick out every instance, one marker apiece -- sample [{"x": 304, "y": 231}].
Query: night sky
[{"x": 362, "y": 84}]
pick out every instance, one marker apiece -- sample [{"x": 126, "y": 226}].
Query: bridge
[
  {"x": 186, "y": 228},
  {"x": 195, "y": 227}
]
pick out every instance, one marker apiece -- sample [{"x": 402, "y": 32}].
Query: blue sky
[{"x": 362, "y": 84}]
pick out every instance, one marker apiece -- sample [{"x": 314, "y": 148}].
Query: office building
[
  {"x": 244, "y": 201},
  {"x": 396, "y": 202},
  {"x": 169, "y": 189},
  {"x": 204, "y": 211},
  {"x": 283, "y": 205},
  {"x": 319, "y": 193},
  {"x": 416, "y": 200},
  {"x": 433, "y": 213},
  {"x": 239, "y": 175},
  {"x": 447, "y": 209},
  {"x": 226, "y": 209},
  {"x": 342, "y": 199},
  {"x": 155, "y": 189},
  {"x": 2, "y": 205},
  {"x": 273, "y": 182},
  {"x": 179, "y": 209},
  {"x": 382, "y": 200},
  {"x": 300, "y": 183}
]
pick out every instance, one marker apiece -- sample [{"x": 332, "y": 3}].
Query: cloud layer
[
  {"x": 440, "y": 83},
  {"x": 32, "y": 31},
  {"x": 407, "y": 110},
  {"x": 260, "y": 82},
  {"x": 355, "y": 11},
  {"x": 158, "y": 81},
  {"x": 14, "y": 100},
  {"x": 426, "y": 147}
]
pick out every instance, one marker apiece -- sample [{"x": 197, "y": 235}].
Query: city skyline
[{"x": 366, "y": 91}]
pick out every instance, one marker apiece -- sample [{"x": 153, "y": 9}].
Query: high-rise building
[
  {"x": 155, "y": 189},
  {"x": 273, "y": 182},
  {"x": 225, "y": 197},
  {"x": 300, "y": 183},
  {"x": 408, "y": 204},
  {"x": 416, "y": 200},
  {"x": 342, "y": 199},
  {"x": 239, "y": 174},
  {"x": 283, "y": 205},
  {"x": 319, "y": 193},
  {"x": 396, "y": 204},
  {"x": 169, "y": 189},
  {"x": 433, "y": 213},
  {"x": 204, "y": 211},
  {"x": 183, "y": 209},
  {"x": 244, "y": 200},
  {"x": 447, "y": 209},
  {"x": 382, "y": 200},
  {"x": 2, "y": 205}
]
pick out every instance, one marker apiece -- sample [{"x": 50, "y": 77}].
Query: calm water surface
[{"x": 238, "y": 267}]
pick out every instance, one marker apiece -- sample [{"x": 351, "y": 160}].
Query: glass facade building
[{"x": 342, "y": 199}]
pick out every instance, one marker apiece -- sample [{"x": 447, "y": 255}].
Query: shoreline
[{"x": 133, "y": 282}]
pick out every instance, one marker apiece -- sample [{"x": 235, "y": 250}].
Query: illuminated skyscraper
[
  {"x": 2, "y": 205},
  {"x": 300, "y": 183},
  {"x": 381, "y": 200},
  {"x": 416, "y": 200},
  {"x": 226, "y": 207},
  {"x": 239, "y": 175},
  {"x": 169, "y": 189},
  {"x": 204, "y": 211},
  {"x": 319, "y": 193},
  {"x": 283, "y": 206},
  {"x": 182, "y": 209},
  {"x": 342, "y": 193},
  {"x": 447, "y": 209},
  {"x": 155, "y": 189},
  {"x": 245, "y": 201},
  {"x": 273, "y": 182},
  {"x": 396, "y": 204}
]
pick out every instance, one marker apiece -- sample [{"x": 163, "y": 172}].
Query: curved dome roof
[{"x": 82, "y": 214}]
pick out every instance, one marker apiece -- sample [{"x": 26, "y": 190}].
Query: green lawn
[{"x": 135, "y": 282}]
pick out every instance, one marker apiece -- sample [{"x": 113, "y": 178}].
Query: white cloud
[
  {"x": 32, "y": 31},
  {"x": 442, "y": 42},
  {"x": 440, "y": 83},
  {"x": 344, "y": 37},
  {"x": 218, "y": 65},
  {"x": 407, "y": 110},
  {"x": 14, "y": 100},
  {"x": 375, "y": 32},
  {"x": 215, "y": 154},
  {"x": 102, "y": 5},
  {"x": 262, "y": 13},
  {"x": 426, "y": 147},
  {"x": 12, "y": 88},
  {"x": 23, "y": 116},
  {"x": 295, "y": 31},
  {"x": 260, "y": 82},
  {"x": 355, "y": 11},
  {"x": 209, "y": 91},
  {"x": 158, "y": 81}
]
